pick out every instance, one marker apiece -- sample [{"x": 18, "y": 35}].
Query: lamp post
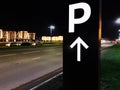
[
  {"x": 119, "y": 34},
  {"x": 117, "y": 21},
  {"x": 52, "y": 27}
]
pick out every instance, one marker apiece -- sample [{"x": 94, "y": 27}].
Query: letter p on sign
[{"x": 72, "y": 21}]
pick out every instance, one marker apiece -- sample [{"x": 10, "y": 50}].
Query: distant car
[
  {"x": 15, "y": 44},
  {"x": 26, "y": 44},
  {"x": 33, "y": 44},
  {"x": 7, "y": 44}
]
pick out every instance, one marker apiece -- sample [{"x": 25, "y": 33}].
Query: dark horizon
[
  {"x": 34, "y": 17},
  {"x": 37, "y": 16},
  {"x": 110, "y": 12}
]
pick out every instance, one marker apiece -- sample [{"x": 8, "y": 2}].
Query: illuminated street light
[
  {"x": 117, "y": 21},
  {"x": 119, "y": 34},
  {"x": 52, "y": 27},
  {"x": 118, "y": 30}
]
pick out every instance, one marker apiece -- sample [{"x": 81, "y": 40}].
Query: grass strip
[{"x": 110, "y": 68}]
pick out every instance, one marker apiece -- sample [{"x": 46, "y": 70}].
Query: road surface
[
  {"x": 19, "y": 66},
  {"x": 105, "y": 45}
]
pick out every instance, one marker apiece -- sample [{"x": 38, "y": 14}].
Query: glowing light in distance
[
  {"x": 117, "y": 21},
  {"x": 52, "y": 27}
]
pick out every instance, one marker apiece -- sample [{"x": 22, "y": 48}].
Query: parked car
[
  {"x": 26, "y": 44},
  {"x": 15, "y": 44},
  {"x": 33, "y": 44},
  {"x": 7, "y": 44}
]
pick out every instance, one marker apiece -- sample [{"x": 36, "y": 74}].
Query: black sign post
[{"x": 81, "y": 46}]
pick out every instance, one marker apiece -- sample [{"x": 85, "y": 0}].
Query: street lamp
[
  {"x": 52, "y": 27},
  {"x": 119, "y": 34},
  {"x": 117, "y": 21}
]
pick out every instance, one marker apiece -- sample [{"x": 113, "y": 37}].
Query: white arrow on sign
[{"x": 79, "y": 41}]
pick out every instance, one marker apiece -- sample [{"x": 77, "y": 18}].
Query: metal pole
[{"x": 51, "y": 34}]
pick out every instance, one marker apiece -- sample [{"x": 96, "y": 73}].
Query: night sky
[
  {"x": 33, "y": 16},
  {"x": 37, "y": 16},
  {"x": 49, "y": 12},
  {"x": 110, "y": 12}
]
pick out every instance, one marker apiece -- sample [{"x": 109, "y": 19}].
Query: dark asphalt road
[{"x": 19, "y": 66}]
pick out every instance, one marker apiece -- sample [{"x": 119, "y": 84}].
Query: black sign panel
[{"x": 81, "y": 46}]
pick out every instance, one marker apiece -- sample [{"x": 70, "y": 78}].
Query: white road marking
[
  {"x": 35, "y": 58},
  {"x": 7, "y": 55},
  {"x": 46, "y": 81},
  {"x": 30, "y": 52}
]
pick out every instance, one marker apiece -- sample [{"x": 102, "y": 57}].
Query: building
[
  {"x": 1, "y": 34},
  {"x": 13, "y": 36},
  {"x": 25, "y": 35},
  {"x": 5, "y": 37},
  {"x": 55, "y": 39},
  {"x": 8, "y": 36},
  {"x": 32, "y": 36},
  {"x": 22, "y": 35},
  {"x": 19, "y": 35}
]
